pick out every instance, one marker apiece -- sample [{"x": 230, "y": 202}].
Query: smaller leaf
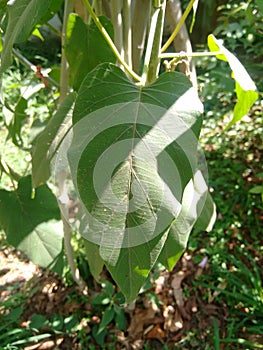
[
  {"x": 99, "y": 336},
  {"x": 245, "y": 87},
  {"x": 23, "y": 15},
  {"x": 32, "y": 225},
  {"x": 256, "y": 190},
  {"x": 120, "y": 318},
  {"x": 38, "y": 34},
  {"x": 94, "y": 259},
  {"x": 101, "y": 299},
  {"x": 14, "y": 314},
  {"x": 85, "y": 47},
  {"x": 106, "y": 318},
  {"x": 17, "y": 122},
  {"x": 108, "y": 287},
  {"x": 198, "y": 210},
  {"x": 48, "y": 141},
  {"x": 38, "y": 321}
]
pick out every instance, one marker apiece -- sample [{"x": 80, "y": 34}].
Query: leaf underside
[{"x": 144, "y": 139}]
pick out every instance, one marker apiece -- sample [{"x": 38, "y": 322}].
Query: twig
[
  {"x": 32, "y": 67},
  {"x": 64, "y": 72}
]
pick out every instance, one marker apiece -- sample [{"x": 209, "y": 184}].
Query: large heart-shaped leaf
[
  {"x": 85, "y": 47},
  {"x": 32, "y": 224},
  {"x": 132, "y": 151},
  {"x": 23, "y": 15}
]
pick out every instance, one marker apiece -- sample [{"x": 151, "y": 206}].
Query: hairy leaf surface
[{"x": 132, "y": 153}]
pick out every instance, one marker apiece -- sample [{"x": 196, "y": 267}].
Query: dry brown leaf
[
  {"x": 139, "y": 319},
  {"x": 155, "y": 332}
]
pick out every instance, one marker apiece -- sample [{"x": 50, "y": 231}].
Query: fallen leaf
[
  {"x": 139, "y": 319},
  {"x": 155, "y": 333}
]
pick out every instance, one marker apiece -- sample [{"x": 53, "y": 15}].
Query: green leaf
[
  {"x": 207, "y": 214},
  {"x": 17, "y": 121},
  {"x": 23, "y": 15},
  {"x": 107, "y": 317},
  {"x": 260, "y": 5},
  {"x": 144, "y": 139},
  {"x": 98, "y": 335},
  {"x": 245, "y": 88},
  {"x": 120, "y": 317},
  {"x": 108, "y": 288},
  {"x": 95, "y": 261},
  {"x": 197, "y": 210},
  {"x": 134, "y": 265},
  {"x": 49, "y": 140},
  {"x": 32, "y": 225},
  {"x": 38, "y": 321},
  {"x": 54, "y": 7},
  {"x": 256, "y": 190},
  {"x": 85, "y": 47}
]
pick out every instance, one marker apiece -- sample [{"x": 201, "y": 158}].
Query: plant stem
[
  {"x": 179, "y": 25},
  {"x": 98, "y": 7},
  {"x": 116, "y": 17},
  {"x": 127, "y": 31},
  {"x": 64, "y": 72},
  {"x": 190, "y": 54},
  {"x": 32, "y": 67},
  {"x": 70, "y": 256},
  {"x": 64, "y": 209},
  {"x": 152, "y": 59},
  {"x": 182, "y": 41},
  {"x": 140, "y": 21},
  {"x": 80, "y": 9},
  {"x": 108, "y": 39},
  {"x": 64, "y": 79},
  {"x": 4, "y": 167}
]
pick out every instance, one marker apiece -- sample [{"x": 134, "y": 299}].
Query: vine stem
[
  {"x": 127, "y": 31},
  {"x": 152, "y": 59},
  {"x": 116, "y": 16},
  {"x": 141, "y": 15},
  {"x": 64, "y": 80},
  {"x": 178, "y": 27},
  {"x": 109, "y": 41},
  {"x": 190, "y": 54},
  {"x": 23, "y": 60},
  {"x": 64, "y": 75}
]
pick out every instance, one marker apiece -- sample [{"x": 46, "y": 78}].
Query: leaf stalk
[{"x": 179, "y": 25}]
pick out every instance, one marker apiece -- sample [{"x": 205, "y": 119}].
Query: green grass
[{"x": 235, "y": 245}]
